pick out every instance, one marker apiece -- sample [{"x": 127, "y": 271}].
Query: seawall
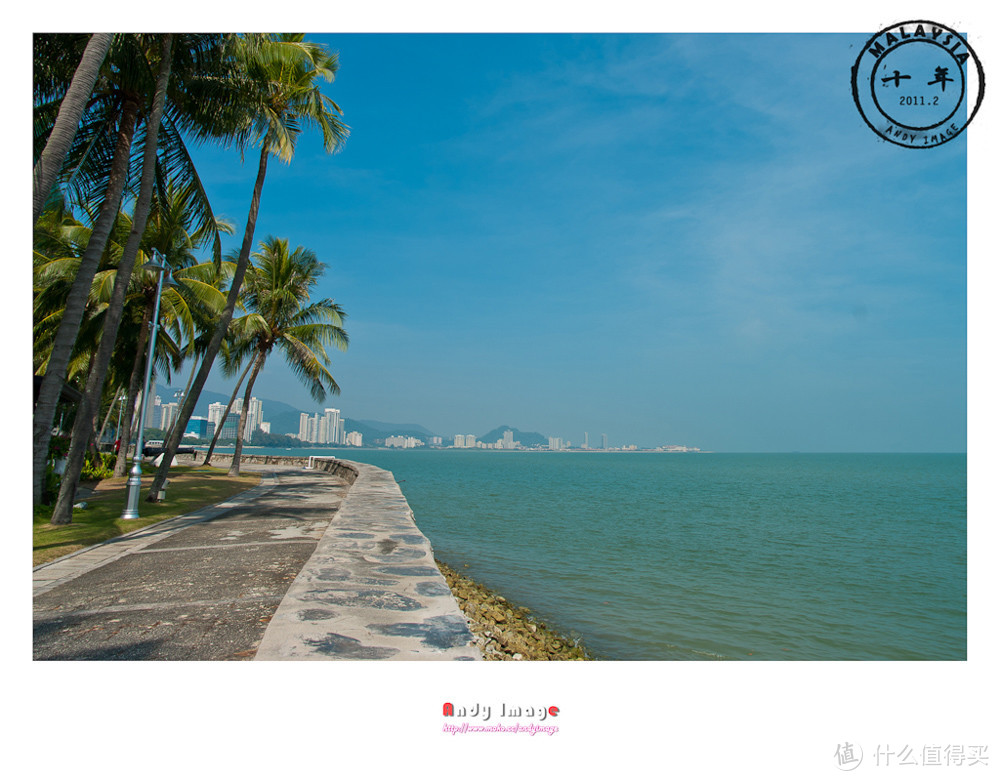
[{"x": 371, "y": 589}]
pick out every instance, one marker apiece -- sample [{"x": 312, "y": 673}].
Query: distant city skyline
[{"x": 328, "y": 426}]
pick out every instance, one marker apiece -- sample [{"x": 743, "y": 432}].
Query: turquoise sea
[{"x": 707, "y": 556}]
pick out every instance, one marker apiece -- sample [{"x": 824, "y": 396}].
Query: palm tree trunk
[
  {"x": 74, "y": 103},
  {"x": 107, "y": 418},
  {"x": 171, "y": 445},
  {"x": 135, "y": 379},
  {"x": 76, "y": 303},
  {"x": 258, "y": 362},
  {"x": 229, "y": 406},
  {"x": 63, "y": 512}
]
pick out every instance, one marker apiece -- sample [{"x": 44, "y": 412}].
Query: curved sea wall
[
  {"x": 371, "y": 589},
  {"x": 325, "y": 464}
]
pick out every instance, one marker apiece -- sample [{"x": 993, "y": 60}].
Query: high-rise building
[
  {"x": 215, "y": 412},
  {"x": 153, "y": 408},
  {"x": 255, "y": 416},
  {"x": 152, "y": 402},
  {"x": 198, "y": 427},
  {"x": 332, "y": 426},
  {"x": 168, "y": 414},
  {"x": 304, "y": 426},
  {"x": 354, "y": 438},
  {"x": 604, "y": 441},
  {"x": 229, "y": 426}
]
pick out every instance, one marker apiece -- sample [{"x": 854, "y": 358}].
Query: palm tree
[
  {"x": 69, "y": 325},
  {"x": 130, "y": 93},
  {"x": 70, "y": 111},
  {"x": 281, "y": 96},
  {"x": 60, "y": 239},
  {"x": 276, "y": 294},
  {"x": 142, "y": 69},
  {"x": 191, "y": 304},
  {"x": 90, "y": 404}
]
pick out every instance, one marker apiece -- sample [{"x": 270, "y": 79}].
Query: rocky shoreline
[{"x": 506, "y": 632}]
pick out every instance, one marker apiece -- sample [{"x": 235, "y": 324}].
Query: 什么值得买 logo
[{"x": 914, "y": 81}]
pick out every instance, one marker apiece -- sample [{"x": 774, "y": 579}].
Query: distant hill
[
  {"x": 371, "y": 430},
  {"x": 410, "y": 429},
  {"x": 526, "y": 438},
  {"x": 281, "y": 422}
]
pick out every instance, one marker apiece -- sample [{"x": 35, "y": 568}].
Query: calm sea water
[{"x": 708, "y": 556}]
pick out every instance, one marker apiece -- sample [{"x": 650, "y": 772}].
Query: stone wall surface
[{"x": 371, "y": 589}]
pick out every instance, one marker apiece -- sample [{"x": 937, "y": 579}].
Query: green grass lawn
[{"x": 190, "y": 488}]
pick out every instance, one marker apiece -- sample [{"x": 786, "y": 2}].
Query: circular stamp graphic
[{"x": 917, "y": 84}]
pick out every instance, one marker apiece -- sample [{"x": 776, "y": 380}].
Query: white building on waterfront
[
  {"x": 217, "y": 409},
  {"x": 153, "y": 405},
  {"x": 305, "y": 427},
  {"x": 324, "y": 429},
  {"x": 168, "y": 414},
  {"x": 255, "y": 416},
  {"x": 403, "y": 442}
]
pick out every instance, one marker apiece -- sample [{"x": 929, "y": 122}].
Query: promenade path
[{"x": 305, "y": 566}]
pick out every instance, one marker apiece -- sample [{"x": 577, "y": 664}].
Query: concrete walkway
[{"x": 279, "y": 572}]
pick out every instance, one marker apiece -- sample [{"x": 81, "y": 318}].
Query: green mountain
[
  {"x": 526, "y": 438},
  {"x": 371, "y": 430}
]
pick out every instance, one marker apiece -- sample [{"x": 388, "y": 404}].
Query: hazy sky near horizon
[{"x": 668, "y": 239}]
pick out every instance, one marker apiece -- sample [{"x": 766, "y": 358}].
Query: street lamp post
[
  {"x": 135, "y": 475},
  {"x": 122, "y": 398}
]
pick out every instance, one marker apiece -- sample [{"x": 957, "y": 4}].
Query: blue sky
[{"x": 670, "y": 239}]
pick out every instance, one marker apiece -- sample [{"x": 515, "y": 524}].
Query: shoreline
[{"x": 504, "y": 631}]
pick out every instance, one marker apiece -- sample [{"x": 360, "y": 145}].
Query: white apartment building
[
  {"x": 325, "y": 429},
  {"x": 255, "y": 416},
  {"x": 403, "y": 442},
  {"x": 305, "y": 427},
  {"x": 168, "y": 414},
  {"x": 217, "y": 409}
]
